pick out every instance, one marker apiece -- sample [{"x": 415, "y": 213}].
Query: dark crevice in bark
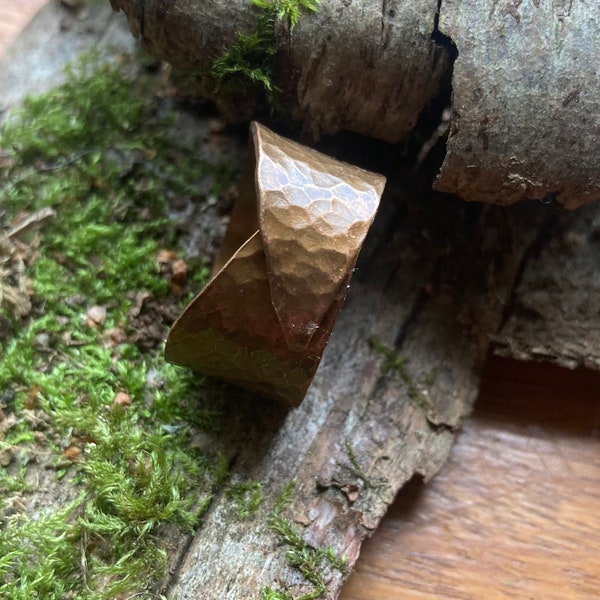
[
  {"x": 441, "y": 39},
  {"x": 418, "y": 305},
  {"x": 533, "y": 250},
  {"x": 171, "y": 580}
]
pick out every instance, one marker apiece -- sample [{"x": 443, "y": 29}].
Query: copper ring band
[{"x": 264, "y": 319}]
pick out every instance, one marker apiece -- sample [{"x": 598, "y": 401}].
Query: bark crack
[
  {"x": 441, "y": 39},
  {"x": 533, "y": 249},
  {"x": 417, "y": 307}
]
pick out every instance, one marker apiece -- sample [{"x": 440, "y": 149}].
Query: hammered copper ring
[{"x": 264, "y": 319}]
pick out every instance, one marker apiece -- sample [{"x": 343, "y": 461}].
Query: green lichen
[{"x": 97, "y": 151}]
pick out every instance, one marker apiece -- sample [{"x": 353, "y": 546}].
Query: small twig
[{"x": 45, "y": 169}]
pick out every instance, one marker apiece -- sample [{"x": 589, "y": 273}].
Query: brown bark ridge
[
  {"x": 526, "y": 101},
  {"x": 357, "y": 65},
  {"x": 554, "y": 314}
]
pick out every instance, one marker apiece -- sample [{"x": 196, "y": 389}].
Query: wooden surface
[{"x": 515, "y": 513}]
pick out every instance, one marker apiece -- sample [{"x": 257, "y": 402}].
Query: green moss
[
  {"x": 356, "y": 468},
  {"x": 247, "y": 496},
  {"x": 248, "y": 63},
  {"x": 315, "y": 564},
  {"x": 398, "y": 364},
  {"x": 284, "y": 497},
  {"x": 98, "y": 151}
]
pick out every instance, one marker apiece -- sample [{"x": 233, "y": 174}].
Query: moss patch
[
  {"x": 247, "y": 496},
  {"x": 248, "y": 63},
  {"x": 396, "y": 363},
  {"x": 85, "y": 170},
  {"x": 314, "y": 564}
]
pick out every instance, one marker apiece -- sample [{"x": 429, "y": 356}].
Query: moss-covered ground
[{"x": 85, "y": 395}]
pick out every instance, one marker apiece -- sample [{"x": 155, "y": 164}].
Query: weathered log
[
  {"x": 526, "y": 101},
  {"x": 525, "y": 91},
  {"x": 351, "y": 65},
  {"x": 361, "y": 434}
]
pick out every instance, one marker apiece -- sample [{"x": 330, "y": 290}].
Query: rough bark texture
[
  {"x": 362, "y": 66},
  {"x": 526, "y": 101},
  {"x": 556, "y": 307},
  {"x": 526, "y": 92},
  {"x": 432, "y": 284},
  {"x": 359, "y": 434}
]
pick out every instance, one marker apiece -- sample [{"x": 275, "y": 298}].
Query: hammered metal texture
[{"x": 264, "y": 319}]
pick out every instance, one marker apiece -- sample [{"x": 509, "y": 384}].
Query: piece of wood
[
  {"x": 514, "y": 513},
  {"x": 358, "y": 436},
  {"x": 525, "y": 91},
  {"x": 526, "y": 97},
  {"x": 389, "y": 44},
  {"x": 555, "y": 312}
]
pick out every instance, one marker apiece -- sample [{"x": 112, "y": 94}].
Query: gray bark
[
  {"x": 359, "y": 436},
  {"x": 555, "y": 312},
  {"x": 526, "y": 101},
  {"x": 356, "y": 65},
  {"x": 526, "y": 91}
]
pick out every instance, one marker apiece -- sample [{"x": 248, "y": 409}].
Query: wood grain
[{"x": 515, "y": 512}]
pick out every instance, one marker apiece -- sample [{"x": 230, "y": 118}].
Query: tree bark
[
  {"x": 525, "y": 90},
  {"x": 360, "y": 433},
  {"x": 353, "y": 65},
  {"x": 526, "y": 101},
  {"x": 555, "y": 311}
]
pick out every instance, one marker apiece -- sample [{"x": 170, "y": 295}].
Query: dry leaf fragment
[
  {"x": 174, "y": 268},
  {"x": 122, "y": 399},
  {"x": 164, "y": 256},
  {"x": 116, "y": 336},
  {"x": 6, "y": 423},
  {"x": 73, "y": 453},
  {"x": 6, "y": 456}
]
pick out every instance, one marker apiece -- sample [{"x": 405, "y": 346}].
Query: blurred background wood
[
  {"x": 14, "y": 15},
  {"x": 515, "y": 511}
]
